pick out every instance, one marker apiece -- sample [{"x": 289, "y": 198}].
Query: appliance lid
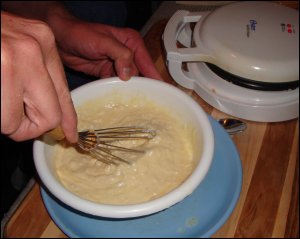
[
  {"x": 254, "y": 40},
  {"x": 278, "y": 102}
]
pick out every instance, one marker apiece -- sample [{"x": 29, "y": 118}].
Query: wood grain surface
[{"x": 269, "y": 202}]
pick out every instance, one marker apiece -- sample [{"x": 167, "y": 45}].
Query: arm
[
  {"x": 94, "y": 49},
  {"x": 40, "y": 10}
]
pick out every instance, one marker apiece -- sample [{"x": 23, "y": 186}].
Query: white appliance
[{"x": 242, "y": 58}]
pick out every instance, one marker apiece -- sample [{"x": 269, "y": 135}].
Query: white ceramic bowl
[{"x": 162, "y": 93}]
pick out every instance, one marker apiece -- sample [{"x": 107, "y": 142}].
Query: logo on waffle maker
[{"x": 251, "y": 27}]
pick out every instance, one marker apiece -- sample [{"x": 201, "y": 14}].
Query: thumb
[
  {"x": 122, "y": 56},
  {"x": 125, "y": 69}
]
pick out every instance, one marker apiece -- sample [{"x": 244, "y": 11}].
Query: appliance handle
[{"x": 172, "y": 32}]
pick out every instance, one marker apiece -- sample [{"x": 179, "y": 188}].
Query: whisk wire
[
  {"x": 125, "y": 133},
  {"x": 98, "y": 142},
  {"x": 106, "y": 156}
]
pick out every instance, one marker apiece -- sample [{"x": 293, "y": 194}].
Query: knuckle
[
  {"x": 43, "y": 32},
  {"x": 6, "y": 54},
  {"x": 10, "y": 123},
  {"x": 8, "y": 128},
  {"x": 29, "y": 44},
  {"x": 26, "y": 45},
  {"x": 127, "y": 54},
  {"x": 10, "y": 118},
  {"x": 133, "y": 33}
]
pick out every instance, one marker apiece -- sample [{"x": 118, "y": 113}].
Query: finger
[
  {"x": 11, "y": 94},
  {"x": 69, "y": 116},
  {"x": 41, "y": 107},
  {"x": 144, "y": 62},
  {"x": 141, "y": 57},
  {"x": 146, "y": 67},
  {"x": 44, "y": 36},
  {"x": 125, "y": 69},
  {"x": 120, "y": 54}
]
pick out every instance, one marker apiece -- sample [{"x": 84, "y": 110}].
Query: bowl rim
[{"x": 140, "y": 209}]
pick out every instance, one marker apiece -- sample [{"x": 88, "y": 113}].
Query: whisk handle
[{"x": 57, "y": 134}]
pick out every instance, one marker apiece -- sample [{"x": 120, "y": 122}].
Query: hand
[
  {"x": 34, "y": 93},
  {"x": 102, "y": 50}
]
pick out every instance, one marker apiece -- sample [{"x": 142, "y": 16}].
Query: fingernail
[{"x": 126, "y": 72}]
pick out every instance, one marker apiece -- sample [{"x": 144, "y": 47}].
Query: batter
[{"x": 168, "y": 159}]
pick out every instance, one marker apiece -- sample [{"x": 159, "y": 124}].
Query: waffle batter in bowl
[
  {"x": 168, "y": 159},
  {"x": 175, "y": 161}
]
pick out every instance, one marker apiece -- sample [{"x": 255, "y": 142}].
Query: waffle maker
[{"x": 242, "y": 58}]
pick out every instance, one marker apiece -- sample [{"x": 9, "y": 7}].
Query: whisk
[{"x": 99, "y": 143}]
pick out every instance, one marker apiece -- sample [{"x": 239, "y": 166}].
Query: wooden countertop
[{"x": 269, "y": 202}]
